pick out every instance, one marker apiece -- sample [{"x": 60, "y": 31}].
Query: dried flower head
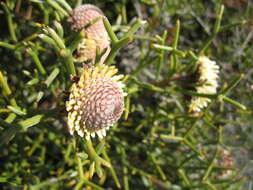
[
  {"x": 88, "y": 18},
  {"x": 226, "y": 160},
  {"x": 96, "y": 101},
  {"x": 208, "y": 72}
]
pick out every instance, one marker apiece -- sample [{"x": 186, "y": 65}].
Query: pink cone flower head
[
  {"x": 88, "y": 18},
  {"x": 96, "y": 101}
]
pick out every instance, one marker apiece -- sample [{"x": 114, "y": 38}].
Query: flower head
[
  {"x": 226, "y": 160},
  {"x": 88, "y": 18},
  {"x": 208, "y": 72},
  {"x": 96, "y": 101}
]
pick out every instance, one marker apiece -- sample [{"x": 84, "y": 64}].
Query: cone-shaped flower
[
  {"x": 96, "y": 101},
  {"x": 89, "y": 19},
  {"x": 207, "y": 72}
]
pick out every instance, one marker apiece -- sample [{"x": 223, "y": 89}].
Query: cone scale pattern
[
  {"x": 89, "y": 19},
  {"x": 96, "y": 101}
]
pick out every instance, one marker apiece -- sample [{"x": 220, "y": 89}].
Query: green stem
[
  {"x": 80, "y": 167},
  {"x": 170, "y": 137},
  {"x": 10, "y": 22},
  {"x": 45, "y": 13},
  {"x": 50, "y": 41},
  {"x": 134, "y": 27},
  {"x": 161, "y": 56},
  {"x": 52, "y": 76},
  {"x": 7, "y": 45},
  {"x": 65, "y": 4},
  {"x": 78, "y": 3},
  {"x": 215, "y": 31},
  {"x": 184, "y": 177},
  {"x": 76, "y": 41},
  {"x": 93, "y": 155},
  {"x": 4, "y": 110},
  {"x": 228, "y": 26},
  {"x": 158, "y": 168},
  {"x": 211, "y": 165},
  {"x": 176, "y": 35},
  {"x": 233, "y": 84},
  {"x": 109, "y": 30},
  {"x": 29, "y": 122},
  {"x": 7, "y": 90},
  {"x": 125, "y": 169},
  {"x": 194, "y": 149},
  {"x": 68, "y": 60},
  {"x": 233, "y": 102},
  {"x": 86, "y": 182},
  {"x": 193, "y": 56},
  {"x": 37, "y": 61},
  {"x": 127, "y": 107},
  {"x": 16, "y": 110},
  {"x": 174, "y": 57},
  {"x": 59, "y": 29},
  {"x": 169, "y": 49},
  {"x": 55, "y": 5},
  {"x": 115, "y": 49},
  {"x": 4, "y": 85},
  {"x": 125, "y": 178},
  {"x": 148, "y": 38},
  {"x": 114, "y": 175},
  {"x": 59, "y": 41},
  {"x": 218, "y": 20},
  {"x": 11, "y": 117},
  {"x": 123, "y": 13},
  {"x": 193, "y": 93},
  {"x": 212, "y": 187}
]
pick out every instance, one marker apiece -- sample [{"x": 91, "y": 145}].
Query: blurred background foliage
[{"x": 156, "y": 144}]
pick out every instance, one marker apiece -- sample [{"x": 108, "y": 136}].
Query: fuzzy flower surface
[
  {"x": 88, "y": 18},
  {"x": 208, "y": 72},
  {"x": 96, "y": 101}
]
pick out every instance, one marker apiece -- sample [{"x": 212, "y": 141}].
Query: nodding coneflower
[
  {"x": 88, "y": 18},
  {"x": 207, "y": 72},
  {"x": 96, "y": 101}
]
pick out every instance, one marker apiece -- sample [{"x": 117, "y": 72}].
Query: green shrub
[{"x": 160, "y": 142}]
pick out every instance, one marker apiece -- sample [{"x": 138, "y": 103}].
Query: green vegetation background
[{"x": 156, "y": 144}]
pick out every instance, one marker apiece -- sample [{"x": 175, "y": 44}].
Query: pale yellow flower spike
[{"x": 208, "y": 72}]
